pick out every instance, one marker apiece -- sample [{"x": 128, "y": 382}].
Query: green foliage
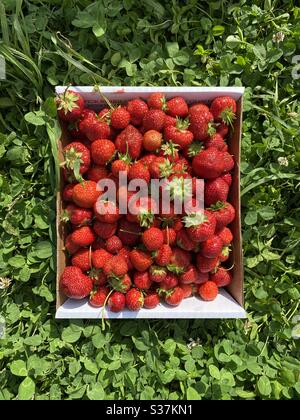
[{"x": 150, "y": 43}]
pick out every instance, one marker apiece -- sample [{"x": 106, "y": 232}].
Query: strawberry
[
  {"x": 104, "y": 115},
  {"x": 94, "y": 128},
  {"x": 98, "y": 277},
  {"x": 121, "y": 284},
  {"x": 152, "y": 140},
  {"x": 142, "y": 211},
  {"x": 201, "y": 120},
  {"x": 98, "y": 297},
  {"x": 139, "y": 171},
  {"x": 212, "y": 247},
  {"x": 129, "y": 233},
  {"x": 189, "y": 276},
  {"x": 205, "y": 265},
  {"x": 208, "y": 291},
  {"x": 177, "y": 224},
  {"x": 116, "y": 266},
  {"x": 131, "y": 140},
  {"x": 74, "y": 131},
  {"x": 228, "y": 162},
  {"x": 105, "y": 230},
  {"x": 83, "y": 236},
  {"x": 169, "y": 121},
  {"x": 217, "y": 141},
  {"x": 160, "y": 168},
  {"x": 187, "y": 290},
  {"x": 67, "y": 194},
  {"x": 169, "y": 282},
  {"x": 137, "y": 108},
  {"x": 177, "y": 107},
  {"x": 221, "y": 277},
  {"x": 113, "y": 244},
  {"x": 224, "y": 213},
  {"x": 208, "y": 163},
  {"x": 140, "y": 260},
  {"x": 153, "y": 239},
  {"x": 223, "y": 109},
  {"x": 179, "y": 134},
  {"x": 180, "y": 258},
  {"x": 169, "y": 236},
  {"x": 174, "y": 296},
  {"x": 82, "y": 259},
  {"x": 157, "y": 274},
  {"x": 194, "y": 149},
  {"x": 134, "y": 299},
  {"x": 96, "y": 173},
  {"x": 77, "y": 158},
  {"x": 70, "y": 246},
  {"x": 70, "y": 104},
  {"x": 142, "y": 280},
  {"x": 151, "y": 299},
  {"x": 85, "y": 194},
  {"x": 169, "y": 150},
  {"x": 222, "y": 129},
  {"x": 226, "y": 235},
  {"x": 116, "y": 302},
  {"x": 200, "y": 225},
  {"x": 75, "y": 284},
  {"x": 224, "y": 254},
  {"x": 227, "y": 178},
  {"x": 184, "y": 241},
  {"x": 163, "y": 255},
  {"x": 76, "y": 215},
  {"x": 99, "y": 243},
  {"x": 106, "y": 211},
  {"x": 118, "y": 166},
  {"x": 100, "y": 257},
  {"x": 157, "y": 100},
  {"x": 125, "y": 253},
  {"x": 102, "y": 151},
  {"x": 154, "y": 120},
  {"x": 215, "y": 190},
  {"x": 147, "y": 159},
  {"x": 120, "y": 118}
]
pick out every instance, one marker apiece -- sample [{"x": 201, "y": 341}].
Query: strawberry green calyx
[
  {"x": 182, "y": 124},
  {"x": 165, "y": 169},
  {"x": 225, "y": 251},
  {"x": 179, "y": 188},
  {"x": 195, "y": 148},
  {"x": 94, "y": 272},
  {"x": 67, "y": 102},
  {"x": 65, "y": 217},
  {"x": 195, "y": 219},
  {"x": 116, "y": 283},
  {"x": 175, "y": 269},
  {"x": 211, "y": 129},
  {"x": 170, "y": 149},
  {"x": 228, "y": 116},
  {"x": 164, "y": 106},
  {"x": 146, "y": 218},
  {"x": 217, "y": 206},
  {"x": 73, "y": 161}
]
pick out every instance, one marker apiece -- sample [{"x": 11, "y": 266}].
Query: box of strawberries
[{"x": 148, "y": 207}]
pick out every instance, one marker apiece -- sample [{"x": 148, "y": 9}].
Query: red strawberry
[
  {"x": 83, "y": 236},
  {"x": 77, "y": 158},
  {"x": 70, "y": 104},
  {"x": 227, "y": 178},
  {"x": 82, "y": 259},
  {"x": 177, "y": 107},
  {"x": 116, "y": 302},
  {"x": 161, "y": 168},
  {"x": 137, "y": 108},
  {"x": 212, "y": 247},
  {"x": 70, "y": 246},
  {"x": 115, "y": 266},
  {"x": 118, "y": 166},
  {"x": 217, "y": 141},
  {"x": 224, "y": 214},
  {"x": 129, "y": 233},
  {"x": 180, "y": 258},
  {"x": 200, "y": 226},
  {"x": 169, "y": 282},
  {"x": 142, "y": 211},
  {"x": 98, "y": 297},
  {"x": 153, "y": 239},
  {"x": 100, "y": 257},
  {"x": 113, "y": 244},
  {"x": 163, "y": 255},
  {"x": 228, "y": 162},
  {"x": 142, "y": 280},
  {"x": 215, "y": 190},
  {"x": 75, "y": 284},
  {"x": 169, "y": 121},
  {"x": 184, "y": 241},
  {"x": 147, "y": 159},
  {"x": 157, "y": 274},
  {"x": 224, "y": 254},
  {"x": 152, "y": 140},
  {"x": 134, "y": 299},
  {"x": 68, "y": 192},
  {"x": 222, "y": 129},
  {"x": 205, "y": 265},
  {"x": 154, "y": 120},
  {"x": 102, "y": 151},
  {"x": 192, "y": 275},
  {"x": 187, "y": 290},
  {"x": 157, "y": 100},
  {"x": 208, "y": 291},
  {"x": 169, "y": 150},
  {"x": 226, "y": 235},
  {"x": 130, "y": 138},
  {"x": 174, "y": 296},
  {"x": 223, "y": 109},
  {"x": 120, "y": 118},
  {"x": 201, "y": 122},
  {"x": 169, "y": 236},
  {"x": 221, "y": 277},
  {"x": 106, "y": 211},
  {"x": 140, "y": 260},
  {"x": 85, "y": 194},
  {"x": 77, "y": 216},
  {"x": 104, "y": 115},
  {"x": 208, "y": 163},
  {"x": 151, "y": 299},
  {"x": 96, "y": 173},
  {"x": 105, "y": 230},
  {"x": 98, "y": 277},
  {"x": 94, "y": 128},
  {"x": 139, "y": 171},
  {"x": 125, "y": 253},
  {"x": 99, "y": 243},
  {"x": 121, "y": 284},
  {"x": 179, "y": 134}
]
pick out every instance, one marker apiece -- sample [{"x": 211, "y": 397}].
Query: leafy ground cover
[{"x": 150, "y": 43}]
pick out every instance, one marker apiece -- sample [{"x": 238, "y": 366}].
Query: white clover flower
[
  {"x": 193, "y": 343},
  {"x": 278, "y": 37},
  {"x": 283, "y": 161}
]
